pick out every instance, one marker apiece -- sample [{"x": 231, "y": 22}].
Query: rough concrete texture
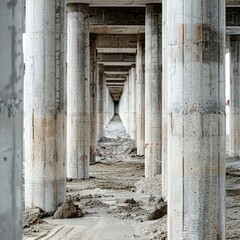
[
  {"x": 140, "y": 96},
  {"x": 100, "y": 92},
  {"x": 11, "y": 105},
  {"x": 44, "y": 104},
  {"x": 234, "y": 116},
  {"x": 164, "y": 109},
  {"x": 133, "y": 120},
  {"x": 196, "y": 119},
  {"x": 153, "y": 90},
  {"x": 93, "y": 97},
  {"x": 78, "y": 109},
  {"x": 116, "y": 209},
  {"x": 124, "y": 106},
  {"x": 68, "y": 210}
]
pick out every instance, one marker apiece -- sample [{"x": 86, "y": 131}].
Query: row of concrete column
[
  {"x": 60, "y": 130},
  {"x": 194, "y": 47}
]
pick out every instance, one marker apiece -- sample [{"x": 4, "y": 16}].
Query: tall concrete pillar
[
  {"x": 93, "y": 97},
  {"x": 196, "y": 119},
  {"x": 140, "y": 96},
  {"x": 132, "y": 97},
  {"x": 11, "y": 101},
  {"x": 100, "y": 108},
  {"x": 153, "y": 89},
  {"x": 234, "y": 126},
  {"x": 78, "y": 109},
  {"x": 164, "y": 108},
  {"x": 44, "y": 104}
]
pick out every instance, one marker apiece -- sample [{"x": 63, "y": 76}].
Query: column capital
[{"x": 78, "y": 7}]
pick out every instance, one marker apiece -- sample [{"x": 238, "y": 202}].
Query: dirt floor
[{"x": 117, "y": 202}]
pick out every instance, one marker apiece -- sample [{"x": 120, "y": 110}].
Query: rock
[
  {"x": 68, "y": 210},
  {"x": 33, "y": 216},
  {"x": 158, "y": 213},
  {"x": 130, "y": 201}
]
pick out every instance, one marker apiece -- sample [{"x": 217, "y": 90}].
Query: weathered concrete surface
[
  {"x": 78, "y": 126},
  {"x": 140, "y": 98},
  {"x": 164, "y": 108},
  {"x": 132, "y": 96},
  {"x": 93, "y": 98},
  {"x": 115, "y": 3},
  {"x": 124, "y": 105},
  {"x": 100, "y": 92},
  {"x": 234, "y": 132},
  {"x": 196, "y": 119},
  {"x": 44, "y": 104},
  {"x": 153, "y": 90},
  {"x": 11, "y": 105}
]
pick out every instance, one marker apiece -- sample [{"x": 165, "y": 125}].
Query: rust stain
[
  {"x": 83, "y": 158},
  {"x": 181, "y": 29},
  {"x": 92, "y": 149}
]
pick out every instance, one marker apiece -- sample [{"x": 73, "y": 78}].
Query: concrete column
[
  {"x": 133, "y": 119},
  {"x": 93, "y": 98},
  {"x": 44, "y": 104},
  {"x": 11, "y": 99},
  {"x": 140, "y": 96},
  {"x": 78, "y": 127},
  {"x": 234, "y": 133},
  {"x": 164, "y": 109},
  {"x": 100, "y": 108},
  {"x": 153, "y": 90},
  {"x": 196, "y": 119}
]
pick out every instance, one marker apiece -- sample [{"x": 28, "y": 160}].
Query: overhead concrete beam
[
  {"x": 233, "y": 3},
  {"x": 116, "y": 50},
  {"x": 116, "y": 57},
  {"x": 117, "y": 29},
  {"x": 115, "y": 73},
  {"x": 233, "y": 30},
  {"x": 110, "y": 3},
  {"x": 108, "y": 69},
  {"x": 116, "y": 80},
  {"x": 124, "y": 64},
  {"x": 116, "y": 76},
  {"x": 116, "y": 41}
]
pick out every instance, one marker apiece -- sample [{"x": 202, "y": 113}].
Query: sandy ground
[{"x": 118, "y": 203}]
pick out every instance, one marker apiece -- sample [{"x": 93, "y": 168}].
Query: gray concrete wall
[{"x": 11, "y": 105}]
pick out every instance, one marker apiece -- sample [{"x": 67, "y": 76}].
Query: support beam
[
  {"x": 93, "y": 98},
  {"x": 153, "y": 90},
  {"x": 100, "y": 101},
  {"x": 234, "y": 133},
  {"x": 11, "y": 130},
  {"x": 196, "y": 119},
  {"x": 78, "y": 129},
  {"x": 44, "y": 105},
  {"x": 164, "y": 111},
  {"x": 140, "y": 97},
  {"x": 133, "y": 121}
]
